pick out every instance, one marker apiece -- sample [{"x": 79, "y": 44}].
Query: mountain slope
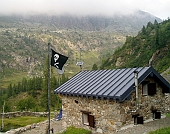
[
  {"x": 152, "y": 44},
  {"x": 24, "y": 39}
]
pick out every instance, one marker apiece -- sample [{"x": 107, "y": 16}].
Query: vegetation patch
[
  {"x": 13, "y": 123},
  {"x": 152, "y": 42},
  {"x": 73, "y": 130},
  {"x": 168, "y": 115}
]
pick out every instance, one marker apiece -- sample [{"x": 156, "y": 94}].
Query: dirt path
[{"x": 41, "y": 129}]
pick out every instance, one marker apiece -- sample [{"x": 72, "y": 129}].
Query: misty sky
[{"x": 159, "y": 8}]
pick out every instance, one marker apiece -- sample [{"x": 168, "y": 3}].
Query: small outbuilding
[{"x": 103, "y": 101}]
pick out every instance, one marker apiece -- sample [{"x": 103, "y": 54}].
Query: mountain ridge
[{"x": 88, "y": 23}]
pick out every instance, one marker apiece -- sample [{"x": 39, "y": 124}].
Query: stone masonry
[{"x": 111, "y": 115}]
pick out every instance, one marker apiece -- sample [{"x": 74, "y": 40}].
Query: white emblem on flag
[{"x": 56, "y": 57}]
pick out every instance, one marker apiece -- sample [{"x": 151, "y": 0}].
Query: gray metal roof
[{"x": 110, "y": 84}]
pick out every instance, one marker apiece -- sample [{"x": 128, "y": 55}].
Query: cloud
[{"x": 84, "y": 7}]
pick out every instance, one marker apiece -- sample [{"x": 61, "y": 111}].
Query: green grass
[
  {"x": 17, "y": 122},
  {"x": 168, "y": 115},
  {"x": 73, "y": 130},
  {"x": 161, "y": 131}
]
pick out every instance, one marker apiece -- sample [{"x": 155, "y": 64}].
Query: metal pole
[
  {"x": 49, "y": 62},
  {"x": 80, "y": 60},
  {"x": 59, "y": 83},
  {"x": 80, "y": 53},
  {"x": 136, "y": 86}
]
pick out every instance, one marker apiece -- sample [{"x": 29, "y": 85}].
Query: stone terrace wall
[
  {"x": 111, "y": 115},
  {"x": 26, "y": 113}
]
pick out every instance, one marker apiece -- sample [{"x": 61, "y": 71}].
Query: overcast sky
[{"x": 159, "y": 8}]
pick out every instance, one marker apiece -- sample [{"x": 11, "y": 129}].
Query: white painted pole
[{"x": 136, "y": 87}]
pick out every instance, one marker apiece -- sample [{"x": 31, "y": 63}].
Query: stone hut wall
[
  {"x": 148, "y": 103},
  {"x": 106, "y": 113},
  {"x": 111, "y": 115}
]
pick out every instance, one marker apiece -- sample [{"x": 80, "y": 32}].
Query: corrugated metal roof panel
[
  {"x": 122, "y": 82},
  {"x": 127, "y": 82},
  {"x": 115, "y": 84},
  {"x": 102, "y": 82},
  {"x": 96, "y": 82},
  {"x": 93, "y": 75},
  {"x": 106, "y": 84}
]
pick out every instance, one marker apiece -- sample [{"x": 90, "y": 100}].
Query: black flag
[{"x": 58, "y": 60}]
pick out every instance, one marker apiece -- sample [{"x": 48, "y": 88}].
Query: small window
[
  {"x": 85, "y": 119},
  {"x": 148, "y": 88},
  {"x": 151, "y": 88},
  {"x": 88, "y": 119},
  {"x": 145, "y": 89}
]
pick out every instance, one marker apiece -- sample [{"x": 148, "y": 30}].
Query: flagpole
[
  {"x": 58, "y": 85},
  {"x": 49, "y": 62},
  {"x": 58, "y": 61}
]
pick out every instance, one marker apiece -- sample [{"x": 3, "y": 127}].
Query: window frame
[
  {"x": 148, "y": 89},
  {"x": 151, "y": 88},
  {"x": 85, "y": 119},
  {"x": 145, "y": 89},
  {"x": 88, "y": 119}
]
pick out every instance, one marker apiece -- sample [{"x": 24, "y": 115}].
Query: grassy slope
[{"x": 13, "y": 123}]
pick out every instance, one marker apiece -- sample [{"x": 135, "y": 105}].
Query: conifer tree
[{"x": 94, "y": 67}]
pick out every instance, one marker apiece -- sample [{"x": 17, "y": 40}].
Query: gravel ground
[{"x": 149, "y": 125}]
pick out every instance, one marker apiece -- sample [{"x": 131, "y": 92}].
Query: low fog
[{"x": 159, "y": 8}]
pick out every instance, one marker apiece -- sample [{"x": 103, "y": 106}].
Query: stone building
[{"x": 103, "y": 101}]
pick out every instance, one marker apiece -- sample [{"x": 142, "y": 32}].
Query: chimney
[{"x": 136, "y": 87}]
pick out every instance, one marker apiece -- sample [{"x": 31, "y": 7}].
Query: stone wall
[
  {"x": 26, "y": 113},
  {"x": 111, "y": 115},
  {"x": 108, "y": 115},
  {"x": 26, "y": 128}
]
